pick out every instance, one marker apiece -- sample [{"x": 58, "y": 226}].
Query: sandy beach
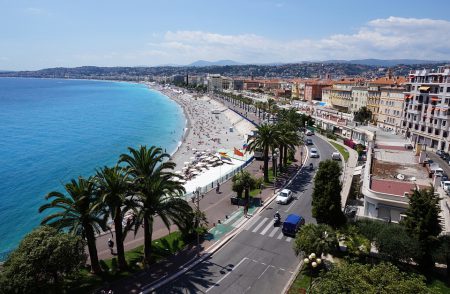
[{"x": 211, "y": 127}]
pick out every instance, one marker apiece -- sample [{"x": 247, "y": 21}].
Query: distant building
[
  {"x": 390, "y": 113},
  {"x": 426, "y": 109},
  {"x": 214, "y": 82},
  {"x": 313, "y": 89}
]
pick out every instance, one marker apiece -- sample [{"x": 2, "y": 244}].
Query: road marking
[
  {"x": 280, "y": 236},
  {"x": 264, "y": 271},
  {"x": 288, "y": 239},
  {"x": 273, "y": 232},
  {"x": 239, "y": 222},
  {"x": 259, "y": 225},
  {"x": 269, "y": 225},
  {"x": 252, "y": 222},
  {"x": 217, "y": 283},
  {"x": 290, "y": 206},
  {"x": 232, "y": 218}
]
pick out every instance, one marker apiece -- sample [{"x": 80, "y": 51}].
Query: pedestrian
[
  {"x": 245, "y": 209},
  {"x": 111, "y": 245},
  {"x": 218, "y": 188}
]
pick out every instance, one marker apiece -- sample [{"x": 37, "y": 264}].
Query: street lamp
[
  {"x": 312, "y": 262},
  {"x": 196, "y": 199},
  {"x": 275, "y": 155}
]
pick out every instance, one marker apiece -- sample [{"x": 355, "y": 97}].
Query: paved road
[{"x": 260, "y": 259}]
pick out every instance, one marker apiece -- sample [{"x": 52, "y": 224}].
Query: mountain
[
  {"x": 201, "y": 63},
  {"x": 385, "y": 62}
]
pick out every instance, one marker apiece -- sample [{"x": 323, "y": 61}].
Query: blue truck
[{"x": 292, "y": 224}]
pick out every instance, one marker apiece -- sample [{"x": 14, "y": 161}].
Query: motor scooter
[
  {"x": 276, "y": 220},
  {"x": 311, "y": 167}
]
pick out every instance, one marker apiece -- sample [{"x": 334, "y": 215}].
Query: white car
[
  {"x": 314, "y": 153},
  {"x": 336, "y": 156},
  {"x": 284, "y": 196},
  {"x": 445, "y": 185},
  {"x": 309, "y": 133}
]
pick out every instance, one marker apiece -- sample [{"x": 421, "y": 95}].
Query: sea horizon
[{"x": 54, "y": 130}]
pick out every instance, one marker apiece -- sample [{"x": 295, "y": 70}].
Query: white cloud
[{"x": 393, "y": 37}]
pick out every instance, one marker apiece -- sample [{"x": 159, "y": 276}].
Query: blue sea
[{"x": 54, "y": 130}]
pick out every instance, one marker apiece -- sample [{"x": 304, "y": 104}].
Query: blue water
[{"x": 55, "y": 130}]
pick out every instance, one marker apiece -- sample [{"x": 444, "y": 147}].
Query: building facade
[
  {"x": 391, "y": 109},
  {"x": 426, "y": 107}
]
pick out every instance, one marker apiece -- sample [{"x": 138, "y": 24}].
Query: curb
[
  {"x": 293, "y": 277},
  {"x": 212, "y": 249}
]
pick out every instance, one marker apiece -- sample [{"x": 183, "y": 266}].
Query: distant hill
[
  {"x": 385, "y": 62},
  {"x": 201, "y": 63}
]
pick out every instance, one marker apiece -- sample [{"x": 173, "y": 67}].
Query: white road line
[
  {"x": 280, "y": 236},
  {"x": 260, "y": 225},
  {"x": 231, "y": 218},
  {"x": 252, "y": 222},
  {"x": 239, "y": 222},
  {"x": 263, "y": 232},
  {"x": 288, "y": 239},
  {"x": 218, "y": 282},
  {"x": 290, "y": 206},
  {"x": 264, "y": 271},
  {"x": 273, "y": 232}
]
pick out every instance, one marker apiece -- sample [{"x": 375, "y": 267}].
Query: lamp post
[
  {"x": 196, "y": 199},
  {"x": 275, "y": 158},
  {"x": 312, "y": 262}
]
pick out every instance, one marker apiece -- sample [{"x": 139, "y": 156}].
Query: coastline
[{"x": 206, "y": 131}]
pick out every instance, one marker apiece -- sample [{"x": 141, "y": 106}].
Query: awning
[
  {"x": 435, "y": 98},
  {"x": 424, "y": 88}
]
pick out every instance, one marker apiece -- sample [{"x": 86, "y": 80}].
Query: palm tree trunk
[
  {"x": 119, "y": 239},
  {"x": 266, "y": 164},
  {"x": 286, "y": 155},
  {"x": 92, "y": 248},
  {"x": 282, "y": 147},
  {"x": 148, "y": 232}
]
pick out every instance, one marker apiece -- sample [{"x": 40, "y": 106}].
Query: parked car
[
  {"x": 445, "y": 156},
  {"x": 336, "y": 156},
  {"x": 314, "y": 153},
  {"x": 292, "y": 224},
  {"x": 284, "y": 196},
  {"x": 309, "y": 133},
  {"x": 444, "y": 177},
  {"x": 439, "y": 152},
  {"x": 309, "y": 141}
]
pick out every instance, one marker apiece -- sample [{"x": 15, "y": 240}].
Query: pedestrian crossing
[{"x": 264, "y": 226}]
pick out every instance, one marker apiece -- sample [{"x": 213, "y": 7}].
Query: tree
[
  {"x": 41, "y": 261},
  {"x": 158, "y": 191},
  {"x": 320, "y": 239},
  {"x": 394, "y": 243},
  {"x": 243, "y": 182},
  {"x": 78, "y": 213},
  {"x": 363, "y": 115},
  {"x": 442, "y": 253},
  {"x": 114, "y": 185},
  {"x": 266, "y": 139},
  {"x": 326, "y": 198},
  {"x": 383, "y": 278},
  {"x": 423, "y": 223}
]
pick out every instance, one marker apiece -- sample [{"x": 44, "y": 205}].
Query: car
[
  {"x": 445, "y": 156},
  {"x": 439, "y": 153},
  {"x": 314, "y": 153},
  {"x": 309, "y": 141},
  {"x": 284, "y": 196},
  {"x": 309, "y": 133},
  {"x": 292, "y": 224},
  {"x": 445, "y": 185},
  {"x": 336, "y": 156}
]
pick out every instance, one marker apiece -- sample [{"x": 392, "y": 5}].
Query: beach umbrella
[
  {"x": 178, "y": 172},
  {"x": 192, "y": 158},
  {"x": 186, "y": 162}
]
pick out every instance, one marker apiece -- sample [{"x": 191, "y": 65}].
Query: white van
[{"x": 336, "y": 156}]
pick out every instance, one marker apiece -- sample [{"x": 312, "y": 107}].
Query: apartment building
[
  {"x": 313, "y": 89},
  {"x": 214, "y": 82},
  {"x": 340, "y": 95},
  {"x": 426, "y": 107},
  {"x": 390, "y": 112}
]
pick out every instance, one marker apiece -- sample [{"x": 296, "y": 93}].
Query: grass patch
[
  {"x": 162, "y": 248},
  {"x": 438, "y": 286},
  {"x": 341, "y": 150},
  {"x": 301, "y": 282}
]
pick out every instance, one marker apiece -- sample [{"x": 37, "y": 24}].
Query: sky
[{"x": 38, "y": 34}]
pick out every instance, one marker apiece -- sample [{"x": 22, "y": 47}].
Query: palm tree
[
  {"x": 78, "y": 213},
  {"x": 158, "y": 191},
  {"x": 114, "y": 185},
  {"x": 267, "y": 138}
]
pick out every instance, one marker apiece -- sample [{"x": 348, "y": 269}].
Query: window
[
  {"x": 444, "y": 123},
  {"x": 441, "y": 89},
  {"x": 448, "y": 89}
]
